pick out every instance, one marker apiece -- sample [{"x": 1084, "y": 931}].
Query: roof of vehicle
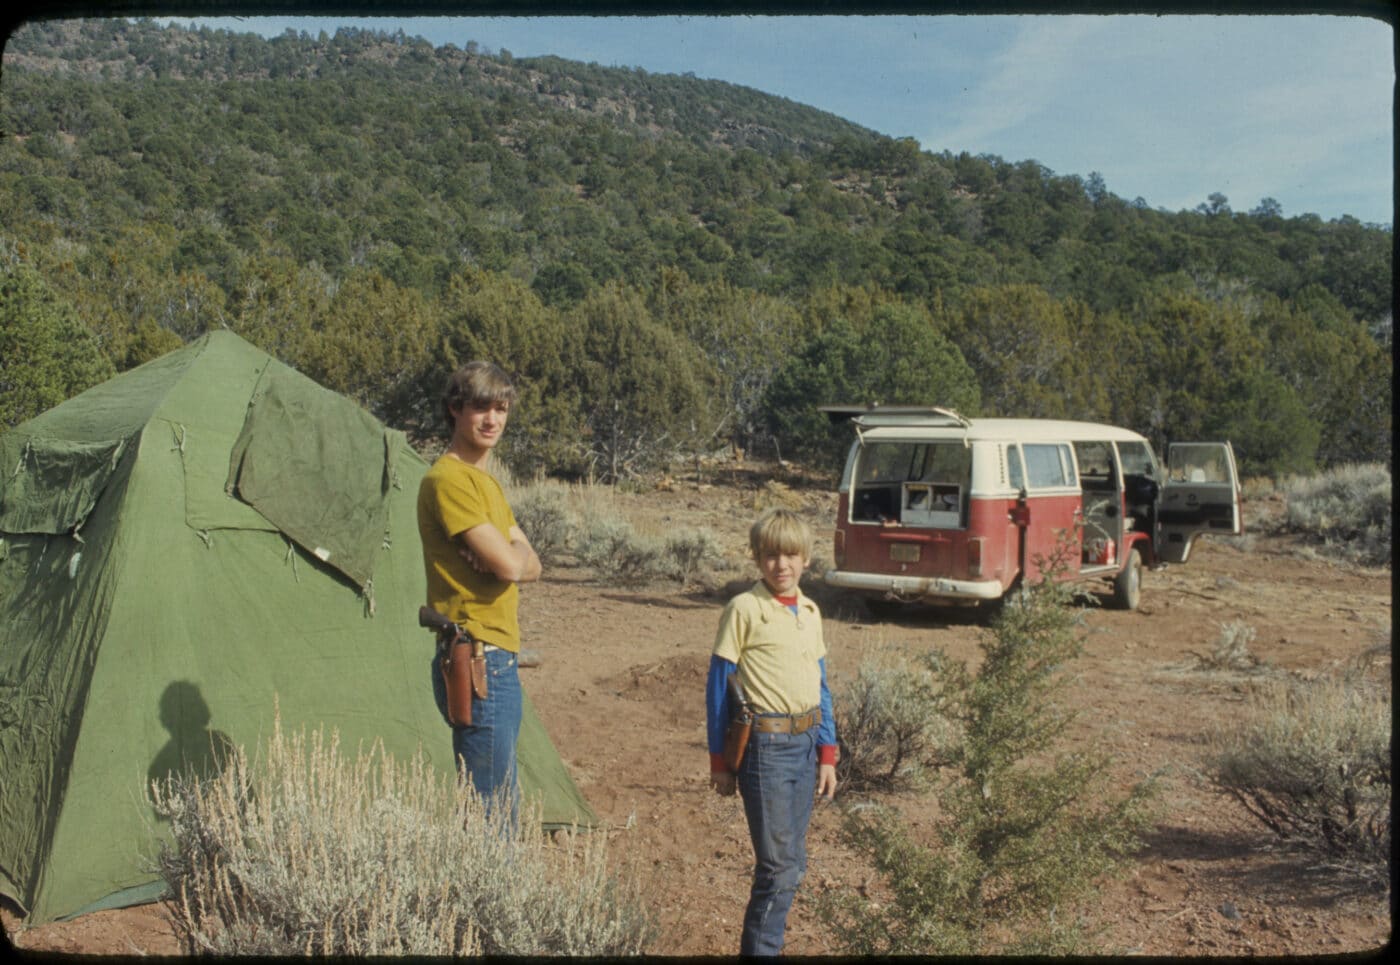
[{"x": 907, "y": 425}]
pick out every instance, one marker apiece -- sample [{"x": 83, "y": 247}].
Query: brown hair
[
  {"x": 781, "y": 531},
  {"x": 476, "y": 383}
]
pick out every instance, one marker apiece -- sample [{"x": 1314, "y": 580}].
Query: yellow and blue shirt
[{"x": 776, "y": 648}]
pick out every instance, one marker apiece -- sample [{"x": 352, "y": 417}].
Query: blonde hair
[{"x": 780, "y": 531}]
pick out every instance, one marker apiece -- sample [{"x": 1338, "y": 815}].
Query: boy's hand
[
  {"x": 472, "y": 559},
  {"x": 723, "y": 783},
  {"x": 826, "y": 781}
]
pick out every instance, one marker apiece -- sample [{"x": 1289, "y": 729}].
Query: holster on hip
[
  {"x": 736, "y": 735},
  {"x": 463, "y": 663}
]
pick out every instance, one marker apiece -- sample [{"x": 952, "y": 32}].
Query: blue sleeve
[
  {"x": 826, "y": 730},
  {"x": 717, "y": 701}
]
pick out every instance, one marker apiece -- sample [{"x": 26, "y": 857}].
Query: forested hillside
[{"x": 669, "y": 265}]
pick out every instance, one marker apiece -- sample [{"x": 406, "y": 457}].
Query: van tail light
[
  {"x": 838, "y": 545},
  {"x": 974, "y": 556}
]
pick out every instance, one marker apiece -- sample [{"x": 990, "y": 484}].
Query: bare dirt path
[{"x": 621, "y": 686}]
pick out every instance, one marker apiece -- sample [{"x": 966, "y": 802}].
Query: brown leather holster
[
  {"x": 463, "y": 663},
  {"x": 736, "y": 735},
  {"x": 736, "y": 739}
]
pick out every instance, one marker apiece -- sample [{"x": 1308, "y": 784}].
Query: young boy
[
  {"x": 771, "y": 637},
  {"x": 475, "y": 556}
]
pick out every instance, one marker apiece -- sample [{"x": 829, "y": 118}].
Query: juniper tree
[{"x": 1028, "y": 823}]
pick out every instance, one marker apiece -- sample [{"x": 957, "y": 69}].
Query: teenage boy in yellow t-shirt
[
  {"x": 771, "y": 638},
  {"x": 475, "y": 557}
]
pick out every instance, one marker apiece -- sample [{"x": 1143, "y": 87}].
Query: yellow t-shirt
[
  {"x": 777, "y": 651},
  {"x": 453, "y": 498}
]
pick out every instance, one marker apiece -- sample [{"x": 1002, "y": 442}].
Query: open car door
[{"x": 1201, "y": 495}]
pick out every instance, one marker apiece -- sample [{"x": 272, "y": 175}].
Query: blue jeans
[
  {"x": 778, "y": 781},
  {"x": 486, "y": 749}
]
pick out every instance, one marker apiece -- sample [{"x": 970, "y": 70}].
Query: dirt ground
[{"x": 620, "y": 687}]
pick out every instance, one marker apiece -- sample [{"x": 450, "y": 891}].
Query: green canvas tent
[{"x": 179, "y": 547}]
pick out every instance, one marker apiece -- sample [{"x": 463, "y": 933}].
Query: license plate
[{"x": 904, "y": 552}]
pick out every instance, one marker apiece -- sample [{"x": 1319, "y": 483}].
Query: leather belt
[{"x": 788, "y": 723}]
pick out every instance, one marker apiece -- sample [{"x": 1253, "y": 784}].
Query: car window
[
  {"x": 889, "y": 462},
  {"x": 1198, "y": 463},
  {"x": 1136, "y": 458},
  {"x": 1048, "y": 465},
  {"x": 1095, "y": 461}
]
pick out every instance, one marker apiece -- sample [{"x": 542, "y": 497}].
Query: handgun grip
[{"x": 433, "y": 620}]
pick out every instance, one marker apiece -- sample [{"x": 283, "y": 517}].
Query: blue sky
[{"x": 1167, "y": 108}]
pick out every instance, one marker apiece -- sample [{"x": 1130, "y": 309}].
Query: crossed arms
[{"x": 511, "y": 558}]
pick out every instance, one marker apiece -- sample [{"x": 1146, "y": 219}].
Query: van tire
[{"x": 1127, "y": 585}]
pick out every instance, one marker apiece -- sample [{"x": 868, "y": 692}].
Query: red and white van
[{"x": 935, "y": 507}]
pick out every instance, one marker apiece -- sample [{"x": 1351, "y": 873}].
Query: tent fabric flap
[
  {"x": 316, "y": 466},
  {"x": 50, "y": 485}
]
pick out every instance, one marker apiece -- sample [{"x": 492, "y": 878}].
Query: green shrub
[
  {"x": 1025, "y": 829},
  {"x": 616, "y": 552},
  {"x": 1312, "y": 764},
  {"x": 899, "y": 356},
  {"x": 308, "y": 853},
  {"x": 543, "y": 514},
  {"x": 1346, "y": 510},
  {"x": 689, "y": 553},
  {"x": 891, "y": 725}
]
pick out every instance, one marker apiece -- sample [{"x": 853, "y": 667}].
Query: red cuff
[
  {"x": 717, "y": 765},
  {"x": 826, "y": 754}
]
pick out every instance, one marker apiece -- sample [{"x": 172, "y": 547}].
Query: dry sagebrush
[
  {"x": 1346, "y": 511},
  {"x": 1312, "y": 764},
  {"x": 586, "y": 522},
  {"x": 306, "y": 852},
  {"x": 891, "y": 724}
]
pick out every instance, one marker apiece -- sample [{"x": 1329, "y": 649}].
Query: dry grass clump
[
  {"x": 1313, "y": 765},
  {"x": 1231, "y": 649},
  {"x": 305, "y": 852},
  {"x": 619, "y": 553},
  {"x": 774, "y": 493},
  {"x": 1345, "y": 512},
  {"x": 890, "y": 720},
  {"x": 586, "y": 523}
]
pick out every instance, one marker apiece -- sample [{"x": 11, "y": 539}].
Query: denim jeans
[
  {"x": 778, "y": 781},
  {"x": 486, "y": 749}
]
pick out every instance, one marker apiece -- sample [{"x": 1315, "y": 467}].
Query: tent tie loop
[
  {"x": 368, "y": 594},
  {"x": 292, "y": 558},
  {"x": 24, "y": 453},
  {"x": 205, "y": 535},
  {"x": 179, "y": 437}
]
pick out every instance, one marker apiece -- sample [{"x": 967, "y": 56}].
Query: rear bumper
[{"x": 914, "y": 587}]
